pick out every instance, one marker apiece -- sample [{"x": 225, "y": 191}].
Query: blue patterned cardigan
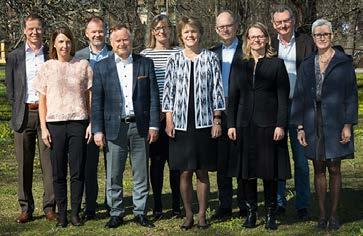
[{"x": 208, "y": 89}]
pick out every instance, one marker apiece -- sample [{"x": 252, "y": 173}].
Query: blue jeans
[{"x": 301, "y": 175}]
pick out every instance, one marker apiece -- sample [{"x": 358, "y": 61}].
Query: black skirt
[
  {"x": 193, "y": 149},
  {"x": 260, "y": 156}
]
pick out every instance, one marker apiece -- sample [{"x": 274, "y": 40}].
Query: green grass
[{"x": 350, "y": 211}]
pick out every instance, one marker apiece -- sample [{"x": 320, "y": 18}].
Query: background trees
[{"x": 346, "y": 16}]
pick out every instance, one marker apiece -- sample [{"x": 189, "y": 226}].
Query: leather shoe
[
  {"x": 62, "y": 222},
  {"x": 158, "y": 215},
  {"x": 114, "y": 222},
  {"x": 88, "y": 216},
  {"x": 51, "y": 215},
  {"x": 24, "y": 217},
  {"x": 186, "y": 225},
  {"x": 143, "y": 221},
  {"x": 221, "y": 214},
  {"x": 334, "y": 223},
  {"x": 76, "y": 221},
  {"x": 322, "y": 223}
]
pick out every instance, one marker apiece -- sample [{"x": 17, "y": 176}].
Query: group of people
[{"x": 229, "y": 109}]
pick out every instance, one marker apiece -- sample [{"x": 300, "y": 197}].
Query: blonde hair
[{"x": 269, "y": 51}]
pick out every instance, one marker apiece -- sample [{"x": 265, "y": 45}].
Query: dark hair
[
  {"x": 61, "y": 30},
  {"x": 33, "y": 16},
  {"x": 151, "y": 42},
  {"x": 281, "y": 8},
  {"x": 186, "y": 20},
  {"x": 95, "y": 19}
]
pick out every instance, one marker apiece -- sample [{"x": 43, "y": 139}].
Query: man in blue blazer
[{"x": 125, "y": 117}]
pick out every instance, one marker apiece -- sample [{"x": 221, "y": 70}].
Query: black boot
[
  {"x": 270, "y": 189},
  {"x": 250, "y": 221}
]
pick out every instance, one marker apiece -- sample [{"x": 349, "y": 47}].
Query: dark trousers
[
  {"x": 225, "y": 188},
  {"x": 25, "y": 143},
  {"x": 159, "y": 155},
  {"x": 68, "y": 146},
  {"x": 269, "y": 188},
  {"x": 91, "y": 177}
]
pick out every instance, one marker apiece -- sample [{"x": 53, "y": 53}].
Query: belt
[
  {"x": 129, "y": 119},
  {"x": 32, "y": 106}
]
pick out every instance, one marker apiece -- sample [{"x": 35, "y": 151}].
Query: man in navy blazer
[
  {"x": 292, "y": 47},
  {"x": 125, "y": 117}
]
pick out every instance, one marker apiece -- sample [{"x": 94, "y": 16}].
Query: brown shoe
[
  {"x": 51, "y": 215},
  {"x": 24, "y": 217}
]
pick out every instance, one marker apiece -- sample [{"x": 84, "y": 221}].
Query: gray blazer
[
  {"x": 15, "y": 80},
  {"x": 85, "y": 52}
]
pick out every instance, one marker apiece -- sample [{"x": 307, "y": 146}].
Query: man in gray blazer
[
  {"x": 96, "y": 51},
  {"x": 125, "y": 118},
  {"x": 22, "y": 66},
  {"x": 292, "y": 47}
]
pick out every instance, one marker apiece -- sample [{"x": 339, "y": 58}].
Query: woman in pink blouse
[{"x": 64, "y": 86}]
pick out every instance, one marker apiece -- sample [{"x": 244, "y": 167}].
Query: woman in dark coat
[
  {"x": 324, "y": 108},
  {"x": 257, "y": 118}
]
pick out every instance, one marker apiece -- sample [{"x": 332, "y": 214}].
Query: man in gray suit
[
  {"x": 22, "y": 65},
  {"x": 125, "y": 117},
  {"x": 96, "y": 51}
]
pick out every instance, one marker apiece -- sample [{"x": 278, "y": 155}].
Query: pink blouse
[{"x": 65, "y": 84}]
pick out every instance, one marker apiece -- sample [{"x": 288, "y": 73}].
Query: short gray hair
[{"x": 321, "y": 22}]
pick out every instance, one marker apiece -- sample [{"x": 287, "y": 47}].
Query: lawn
[{"x": 350, "y": 211}]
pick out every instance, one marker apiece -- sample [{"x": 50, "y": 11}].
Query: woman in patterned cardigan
[{"x": 193, "y": 99}]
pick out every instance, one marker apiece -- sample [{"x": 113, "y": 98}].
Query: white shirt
[
  {"x": 33, "y": 61},
  {"x": 288, "y": 54},
  {"x": 125, "y": 75},
  {"x": 227, "y": 58}
]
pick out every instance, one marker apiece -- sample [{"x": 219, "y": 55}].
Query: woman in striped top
[{"x": 160, "y": 46}]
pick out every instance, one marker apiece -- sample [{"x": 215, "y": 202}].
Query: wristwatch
[{"x": 300, "y": 129}]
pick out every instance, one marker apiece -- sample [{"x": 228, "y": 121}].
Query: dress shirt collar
[
  {"x": 292, "y": 40},
  {"x": 103, "y": 50},
  {"x": 232, "y": 46},
  {"x": 29, "y": 49},
  {"x": 118, "y": 59}
]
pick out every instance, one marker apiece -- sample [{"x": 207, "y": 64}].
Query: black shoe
[
  {"x": 76, "y": 221},
  {"x": 280, "y": 211},
  {"x": 270, "y": 222},
  {"x": 158, "y": 215},
  {"x": 322, "y": 224},
  {"x": 89, "y": 215},
  {"x": 62, "y": 222},
  {"x": 186, "y": 225},
  {"x": 221, "y": 214},
  {"x": 176, "y": 214},
  {"x": 250, "y": 221},
  {"x": 334, "y": 223},
  {"x": 114, "y": 222},
  {"x": 143, "y": 221},
  {"x": 302, "y": 214}
]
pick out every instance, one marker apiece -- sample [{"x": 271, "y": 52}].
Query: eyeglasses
[
  {"x": 158, "y": 29},
  {"x": 255, "y": 37},
  {"x": 322, "y": 35},
  {"x": 224, "y": 27},
  {"x": 280, "y": 22}
]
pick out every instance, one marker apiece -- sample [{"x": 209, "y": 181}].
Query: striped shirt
[{"x": 160, "y": 58}]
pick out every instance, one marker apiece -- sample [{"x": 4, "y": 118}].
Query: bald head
[{"x": 226, "y": 27}]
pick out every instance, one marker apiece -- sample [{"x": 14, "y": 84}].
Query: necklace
[{"x": 326, "y": 60}]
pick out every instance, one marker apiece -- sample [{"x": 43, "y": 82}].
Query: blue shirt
[
  {"x": 95, "y": 57},
  {"x": 227, "y": 58}
]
